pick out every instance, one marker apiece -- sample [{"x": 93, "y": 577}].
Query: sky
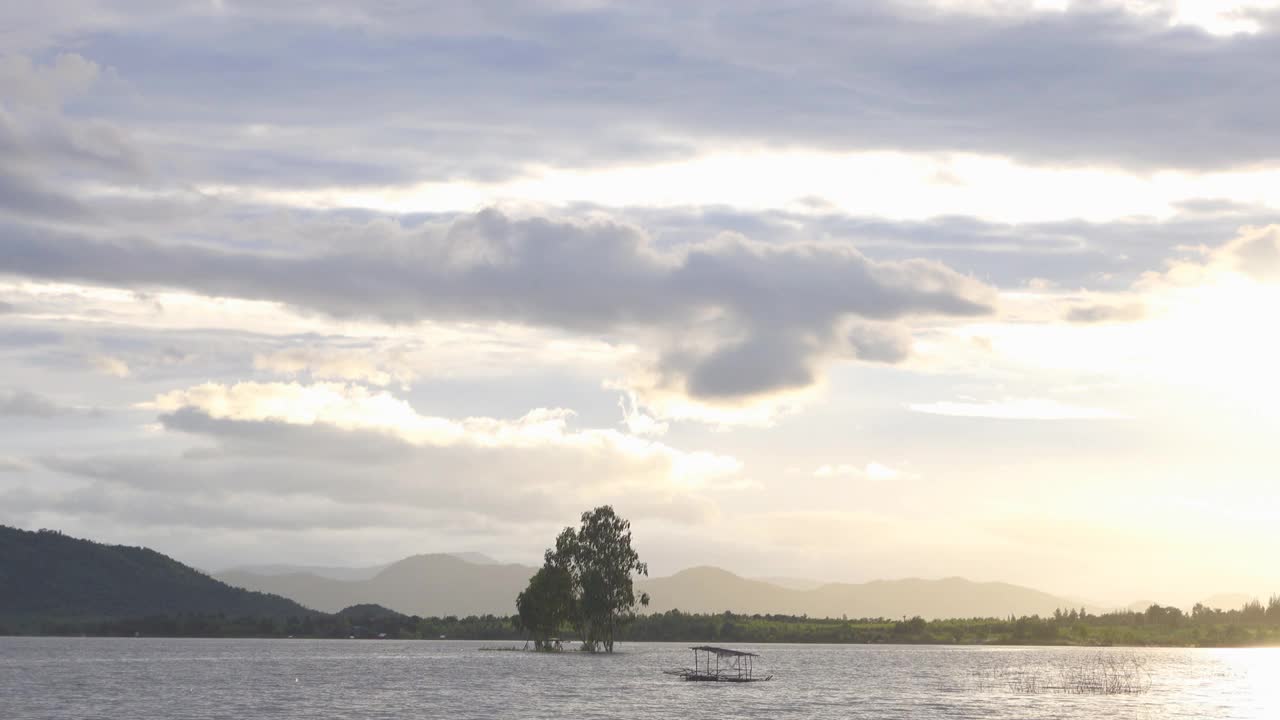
[{"x": 836, "y": 290}]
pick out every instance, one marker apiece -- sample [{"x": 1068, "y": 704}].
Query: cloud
[
  {"x": 825, "y": 530},
  {"x": 1253, "y": 253},
  {"x": 1064, "y": 253},
  {"x": 353, "y": 457},
  {"x": 109, "y": 365},
  {"x": 27, "y": 83},
  {"x": 37, "y": 133},
  {"x": 734, "y": 318},
  {"x": 380, "y": 367},
  {"x": 871, "y": 471},
  {"x": 355, "y": 408},
  {"x": 880, "y": 342},
  {"x": 1087, "y": 85},
  {"x": 27, "y": 196},
  {"x": 1016, "y": 409},
  {"x": 1100, "y": 313},
  {"x": 12, "y": 465},
  {"x": 1256, "y": 253},
  {"x": 24, "y": 403},
  {"x": 636, "y": 420}
]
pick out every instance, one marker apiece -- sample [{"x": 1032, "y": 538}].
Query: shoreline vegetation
[{"x": 1254, "y": 625}]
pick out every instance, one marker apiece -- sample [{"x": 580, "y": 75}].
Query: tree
[
  {"x": 596, "y": 564},
  {"x": 546, "y": 604},
  {"x": 605, "y": 563}
]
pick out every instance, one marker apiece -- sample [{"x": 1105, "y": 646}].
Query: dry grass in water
[{"x": 1100, "y": 674}]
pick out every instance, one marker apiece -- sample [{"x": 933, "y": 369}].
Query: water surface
[{"x": 162, "y": 679}]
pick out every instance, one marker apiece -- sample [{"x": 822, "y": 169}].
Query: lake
[{"x": 160, "y": 679}]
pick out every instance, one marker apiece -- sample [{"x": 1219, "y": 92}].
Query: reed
[{"x": 1097, "y": 674}]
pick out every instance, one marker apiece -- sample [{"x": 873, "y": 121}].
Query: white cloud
[
  {"x": 344, "y": 456},
  {"x": 376, "y": 366},
  {"x": 871, "y": 471},
  {"x": 1016, "y": 409},
  {"x": 827, "y": 471},
  {"x": 907, "y": 187},
  {"x": 356, "y": 408},
  {"x": 876, "y": 471},
  {"x": 636, "y": 420},
  {"x": 1202, "y": 329},
  {"x": 1220, "y": 17}
]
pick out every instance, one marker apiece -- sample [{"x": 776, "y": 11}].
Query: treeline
[
  {"x": 1254, "y": 624},
  {"x": 1156, "y": 626},
  {"x": 396, "y": 627}
]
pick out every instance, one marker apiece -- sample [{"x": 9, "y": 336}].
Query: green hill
[
  {"x": 369, "y": 612},
  {"x": 46, "y": 575}
]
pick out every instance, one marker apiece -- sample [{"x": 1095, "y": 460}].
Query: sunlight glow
[{"x": 902, "y": 186}]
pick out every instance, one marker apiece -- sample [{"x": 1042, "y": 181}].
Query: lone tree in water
[
  {"x": 546, "y": 605},
  {"x": 588, "y": 579}
]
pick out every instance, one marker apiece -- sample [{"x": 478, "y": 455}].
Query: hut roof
[{"x": 723, "y": 651}]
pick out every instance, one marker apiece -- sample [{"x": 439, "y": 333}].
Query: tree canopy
[{"x": 546, "y": 605}]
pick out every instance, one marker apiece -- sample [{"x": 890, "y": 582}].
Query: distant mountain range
[
  {"x": 444, "y": 584},
  {"x": 437, "y": 584},
  {"x": 709, "y": 589},
  {"x": 46, "y": 575},
  {"x": 343, "y": 573}
]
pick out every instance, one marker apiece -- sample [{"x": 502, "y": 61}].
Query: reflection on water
[{"x": 146, "y": 679}]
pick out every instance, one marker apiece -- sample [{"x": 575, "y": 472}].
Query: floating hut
[{"x": 717, "y": 664}]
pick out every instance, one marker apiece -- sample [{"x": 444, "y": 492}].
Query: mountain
[
  {"x": 343, "y": 573},
  {"x": 447, "y": 585},
  {"x": 324, "y": 571},
  {"x": 792, "y": 583},
  {"x": 708, "y": 589},
  {"x": 476, "y": 558},
  {"x": 435, "y": 584},
  {"x": 50, "y": 576},
  {"x": 367, "y": 613}
]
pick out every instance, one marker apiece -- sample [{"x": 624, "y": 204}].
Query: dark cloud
[
  {"x": 23, "y": 403},
  {"x": 266, "y": 439},
  {"x": 1069, "y": 253},
  {"x": 768, "y": 311},
  {"x": 246, "y": 511},
  {"x": 484, "y": 91},
  {"x": 780, "y": 361},
  {"x": 27, "y": 196},
  {"x": 38, "y": 133},
  {"x": 880, "y": 342}
]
